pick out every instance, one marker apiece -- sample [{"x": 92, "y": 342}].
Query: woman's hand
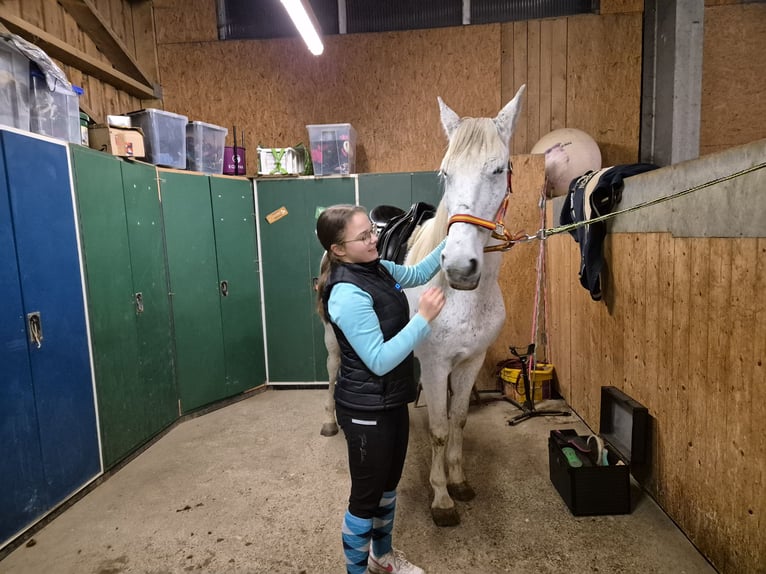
[{"x": 431, "y": 303}]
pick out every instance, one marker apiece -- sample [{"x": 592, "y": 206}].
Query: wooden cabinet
[
  {"x": 49, "y": 445},
  {"x": 122, "y": 238}
]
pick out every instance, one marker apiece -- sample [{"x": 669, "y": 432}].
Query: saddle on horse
[{"x": 396, "y": 226}]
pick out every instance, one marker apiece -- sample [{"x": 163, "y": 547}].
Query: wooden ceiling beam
[
  {"x": 71, "y": 56},
  {"x": 99, "y": 30}
]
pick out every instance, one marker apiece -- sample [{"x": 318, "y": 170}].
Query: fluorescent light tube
[{"x": 303, "y": 17}]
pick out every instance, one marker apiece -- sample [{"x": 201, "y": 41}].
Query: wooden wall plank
[
  {"x": 507, "y": 87},
  {"x": 142, "y": 17},
  {"x": 680, "y": 372},
  {"x": 719, "y": 288},
  {"x": 650, "y": 347},
  {"x": 533, "y": 84},
  {"x": 559, "y": 57},
  {"x": 53, "y": 18},
  {"x": 32, "y": 12},
  {"x": 520, "y": 76},
  {"x": 634, "y": 324},
  {"x": 697, "y": 460},
  {"x": 12, "y": 7},
  {"x": 666, "y": 389},
  {"x": 546, "y": 75},
  {"x": 739, "y": 427},
  {"x": 756, "y": 515}
]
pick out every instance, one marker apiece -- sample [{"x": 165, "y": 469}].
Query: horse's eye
[{"x": 499, "y": 170}]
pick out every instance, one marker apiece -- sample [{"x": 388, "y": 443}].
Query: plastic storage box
[
  {"x": 204, "y": 147},
  {"x": 54, "y": 113},
  {"x": 164, "y": 136},
  {"x": 14, "y": 90},
  {"x": 333, "y": 148},
  {"x": 281, "y": 161}
]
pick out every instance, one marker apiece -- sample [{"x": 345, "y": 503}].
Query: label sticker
[{"x": 277, "y": 214}]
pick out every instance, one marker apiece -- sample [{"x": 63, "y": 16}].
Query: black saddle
[{"x": 396, "y": 227}]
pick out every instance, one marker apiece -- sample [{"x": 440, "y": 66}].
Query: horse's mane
[
  {"x": 427, "y": 236},
  {"x": 473, "y": 139}
]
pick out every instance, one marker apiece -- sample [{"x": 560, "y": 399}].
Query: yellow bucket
[{"x": 539, "y": 378}]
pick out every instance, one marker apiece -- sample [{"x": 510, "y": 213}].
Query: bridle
[{"x": 497, "y": 227}]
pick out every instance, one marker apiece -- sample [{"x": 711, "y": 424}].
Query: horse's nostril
[{"x": 474, "y": 266}]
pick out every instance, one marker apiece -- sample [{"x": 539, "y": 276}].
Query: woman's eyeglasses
[{"x": 365, "y": 236}]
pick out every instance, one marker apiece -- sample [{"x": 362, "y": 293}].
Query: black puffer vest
[{"x": 357, "y": 387}]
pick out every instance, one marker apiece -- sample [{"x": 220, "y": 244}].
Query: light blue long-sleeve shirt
[{"x": 351, "y": 309}]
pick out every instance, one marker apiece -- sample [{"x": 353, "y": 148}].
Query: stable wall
[{"x": 681, "y": 329}]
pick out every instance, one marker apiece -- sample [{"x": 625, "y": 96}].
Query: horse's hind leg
[
  {"x": 330, "y": 426},
  {"x": 462, "y": 380}
]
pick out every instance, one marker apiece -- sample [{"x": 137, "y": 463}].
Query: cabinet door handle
[
  {"x": 224, "y": 288},
  {"x": 139, "y": 303},
  {"x": 35, "y": 328}
]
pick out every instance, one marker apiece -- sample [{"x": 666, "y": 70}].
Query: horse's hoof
[
  {"x": 329, "y": 429},
  {"x": 462, "y": 492},
  {"x": 445, "y": 516}
]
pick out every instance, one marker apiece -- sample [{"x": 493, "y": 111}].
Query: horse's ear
[
  {"x": 506, "y": 119},
  {"x": 450, "y": 119}
]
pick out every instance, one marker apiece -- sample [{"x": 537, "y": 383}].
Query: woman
[{"x": 362, "y": 298}]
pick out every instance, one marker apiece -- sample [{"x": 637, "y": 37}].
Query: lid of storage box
[
  {"x": 624, "y": 425},
  {"x": 156, "y": 111},
  {"x": 206, "y": 125},
  {"x": 330, "y": 126}
]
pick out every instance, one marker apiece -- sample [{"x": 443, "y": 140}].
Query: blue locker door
[
  {"x": 42, "y": 212},
  {"x": 21, "y": 474}
]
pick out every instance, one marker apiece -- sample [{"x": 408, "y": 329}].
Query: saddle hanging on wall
[{"x": 392, "y": 239}]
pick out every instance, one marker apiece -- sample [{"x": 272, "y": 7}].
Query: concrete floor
[{"x": 253, "y": 488}]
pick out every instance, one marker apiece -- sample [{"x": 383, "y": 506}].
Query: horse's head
[{"x": 475, "y": 174}]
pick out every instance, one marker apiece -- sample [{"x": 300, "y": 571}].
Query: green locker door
[
  {"x": 290, "y": 256},
  {"x": 159, "y": 397},
  {"x": 111, "y": 305},
  {"x": 385, "y": 189},
  {"x": 324, "y": 192},
  {"x": 236, "y": 247},
  {"x": 426, "y": 186},
  {"x": 193, "y": 272}
]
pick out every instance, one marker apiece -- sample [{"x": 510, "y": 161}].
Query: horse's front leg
[
  {"x": 330, "y": 426},
  {"x": 434, "y": 381},
  {"x": 462, "y": 380}
]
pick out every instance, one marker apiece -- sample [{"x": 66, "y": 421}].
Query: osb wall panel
[
  {"x": 682, "y": 330},
  {"x": 185, "y": 21},
  {"x": 733, "y": 105},
  {"x": 386, "y": 85},
  {"x": 617, "y": 6},
  {"x": 604, "y": 82},
  {"x": 517, "y": 271},
  {"x": 99, "y": 98}
]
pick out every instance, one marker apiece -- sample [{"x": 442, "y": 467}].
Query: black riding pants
[{"x": 377, "y": 447}]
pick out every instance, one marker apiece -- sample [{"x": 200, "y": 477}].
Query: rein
[{"x": 497, "y": 227}]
